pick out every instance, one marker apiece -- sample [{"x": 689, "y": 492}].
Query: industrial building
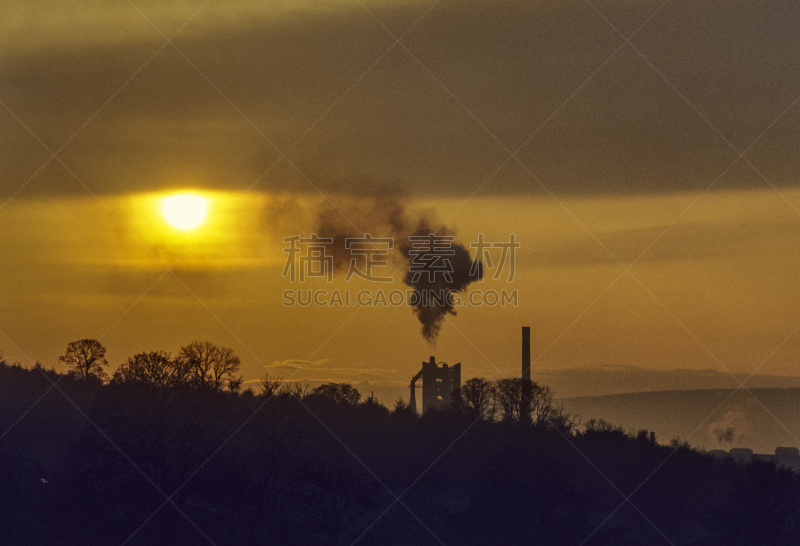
[
  {"x": 787, "y": 457},
  {"x": 440, "y": 380},
  {"x": 438, "y": 383}
]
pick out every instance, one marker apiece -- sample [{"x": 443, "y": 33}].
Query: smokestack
[
  {"x": 526, "y": 353},
  {"x": 525, "y": 379}
]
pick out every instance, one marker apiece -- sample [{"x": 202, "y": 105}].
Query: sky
[{"x": 643, "y": 155}]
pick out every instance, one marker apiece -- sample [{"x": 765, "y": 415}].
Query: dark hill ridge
[
  {"x": 763, "y": 419},
  {"x": 320, "y": 468}
]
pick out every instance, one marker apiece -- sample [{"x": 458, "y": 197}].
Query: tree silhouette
[
  {"x": 155, "y": 368},
  {"x": 85, "y": 359},
  {"x": 507, "y": 398},
  {"x": 476, "y": 398},
  {"x": 272, "y": 385},
  {"x": 339, "y": 392},
  {"x": 285, "y": 479},
  {"x": 211, "y": 366}
]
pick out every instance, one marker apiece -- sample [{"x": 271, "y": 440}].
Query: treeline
[
  {"x": 200, "y": 364},
  {"x": 170, "y": 450}
]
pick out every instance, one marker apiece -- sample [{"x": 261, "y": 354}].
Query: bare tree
[
  {"x": 211, "y": 366},
  {"x": 297, "y": 389},
  {"x": 85, "y": 359},
  {"x": 155, "y": 368},
  {"x": 541, "y": 403},
  {"x": 507, "y": 399},
  {"x": 272, "y": 385},
  {"x": 562, "y": 420},
  {"x": 544, "y": 412},
  {"x": 275, "y": 385},
  {"x": 477, "y": 398}
]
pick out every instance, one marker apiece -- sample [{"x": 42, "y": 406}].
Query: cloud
[
  {"x": 326, "y": 370},
  {"x": 513, "y": 66},
  {"x": 295, "y": 365}
]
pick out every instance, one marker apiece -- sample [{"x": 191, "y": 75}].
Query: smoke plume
[
  {"x": 731, "y": 428},
  {"x": 420, "y": 245}
]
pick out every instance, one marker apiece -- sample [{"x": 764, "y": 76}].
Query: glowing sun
[{"x": 184, "y": 210}]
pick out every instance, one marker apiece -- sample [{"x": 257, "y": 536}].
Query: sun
[{"x": 184, "y": 211}]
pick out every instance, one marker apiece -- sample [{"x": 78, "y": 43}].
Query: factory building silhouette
[
  {"x": 439, "y": 380},
  {"x": 438, "y": 384},
  {"x": 786, "y": 457}
]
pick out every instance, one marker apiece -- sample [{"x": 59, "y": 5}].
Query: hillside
[
  {"x": 761, "y": 420},
  {"x": 132, "y": 462}
]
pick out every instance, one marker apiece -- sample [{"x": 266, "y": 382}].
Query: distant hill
[{"x": 710, "y": 419}]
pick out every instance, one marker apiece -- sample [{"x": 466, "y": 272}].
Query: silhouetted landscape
[
  {"x": 264, "y": 265},
  {"x": 165, "y": 453}
]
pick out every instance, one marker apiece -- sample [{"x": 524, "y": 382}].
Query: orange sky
[
  {"x": 673, "y": 153},
  {"x": 714, "y": 291}
]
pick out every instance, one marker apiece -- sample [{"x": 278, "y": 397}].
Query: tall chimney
[
  {"x": 525, "y": 379},
  {"x": 526, "y": 353}
]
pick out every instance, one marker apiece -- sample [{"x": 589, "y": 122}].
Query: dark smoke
[
  {"x": 431, "y": 313},
  {"x": 387, "y": 216}
]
